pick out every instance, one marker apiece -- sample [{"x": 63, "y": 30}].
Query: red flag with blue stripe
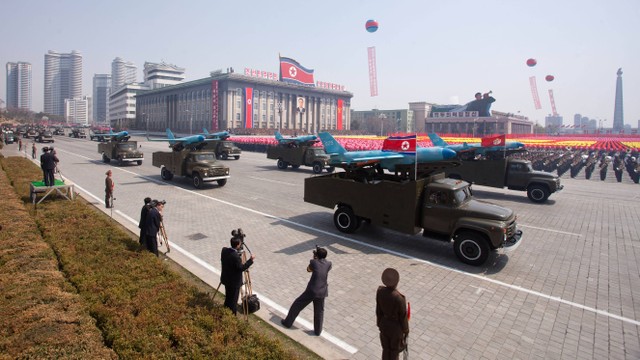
[
  {"x": 401, "y": 144},
  {"x": 292, "y": 72}
]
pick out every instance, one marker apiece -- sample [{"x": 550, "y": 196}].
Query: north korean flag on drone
[
  {"x": 401, "y": 144},
  {"x": 292, "y": 72}
]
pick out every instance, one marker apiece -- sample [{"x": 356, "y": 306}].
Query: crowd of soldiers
[{"x": 574, "y": 161}]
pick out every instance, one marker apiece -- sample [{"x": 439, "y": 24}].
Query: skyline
[{"x": 440, "y": 53}]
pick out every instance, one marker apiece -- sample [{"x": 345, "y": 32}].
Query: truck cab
[
  {"x": 199, "y": 165},
  {"x": 45, "y": 136},
  {"x": 124, "y": 152},
  {"x": 296, "y": 156},
  {"x": 224, "y": 149}
]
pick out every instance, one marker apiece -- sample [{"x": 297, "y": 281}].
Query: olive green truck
[
  {"x": 514, "y": 174},
  {"x": 198, "y": 165},
  {"x": 124, "y": 152},
  {"x": 443, "y": 209},
  {"x": 296, "y": 156}
]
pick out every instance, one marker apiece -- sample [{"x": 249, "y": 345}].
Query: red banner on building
[
  {"x": 339, "y": 115},
  {"x": 499, "y": 140},
  {"x": 214, "y": 106},
  {"x": 248, "y": 120}
]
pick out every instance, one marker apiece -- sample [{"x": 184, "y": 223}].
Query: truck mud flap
[{"x": 513, "y": 242}]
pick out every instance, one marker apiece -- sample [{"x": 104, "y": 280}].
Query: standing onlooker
[
  {"x": 391, "y": 315},
  {"x": 143, "y": 218},
  {"x": 232, "y": 269},
  {"x": 152, "y": 225},
  {"x": 19, "y": 144},
  {"x": 108, "y": 190},
  {"x": 317, "y": 289},
  {"x": 34, "y": 150},
  {"x": 48, "y": 163}
]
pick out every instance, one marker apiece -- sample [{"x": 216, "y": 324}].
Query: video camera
[
  {"x": 240, "y": 235},
  {"x": 315, "y": 252}
]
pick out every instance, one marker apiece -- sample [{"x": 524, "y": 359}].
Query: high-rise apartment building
[
  {"x": 122, "y": 73},
  {"x": 101, "y": 90},
  {"x": 62, "y": 80},
  {"x": 77, "y": 111},
  {"x": 19, "y": 85},
  {"x": 160, "y": 75},
  {"x": 618, "y": 114}
]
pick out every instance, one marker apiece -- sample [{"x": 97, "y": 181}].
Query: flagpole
[{"x": 416, "y": 159}]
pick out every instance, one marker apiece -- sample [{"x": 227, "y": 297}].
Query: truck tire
[
  {"x": 471, "y": 248},
  {"x": 105, "y": 158},
  {"x": 345, "y": 220},
  {"x": 295, "y": 166},
  {"x": 317, "y": 167},
  {"x": 224, "y": 156},
  {"x": 237, "y": 157},
  {"x": 166, "y": 174},
  {"x": 331, "y": 169},
  {"x": 222, "y": 182},
  {"x": 139, "y": 162},
  {"x": 282, "y": 164},
  {"x": 538, "y": 193},
  {"x": 197, "y": 181},
  {"x": 120, "y": 162}
]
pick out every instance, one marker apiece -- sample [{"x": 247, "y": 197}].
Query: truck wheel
[
  {"x": 345, "y": 220},
  {"x": 317, "y": 167},
  {"x": 237, "y": 157},
  {"x": 471, "y": 248},
  {"x": 139, "y": 162},
  {"x": 166, "y": 174},
  {"x": 105, "y": 158},
  {"x": 295, "y": 166},
  {"x": 120, "y": 162},
  {"x": 331, "y": 169},
  {"x": 282, "y": 164},
  {"x": 222, "y": 182},
  {"x": 224, "y": 156},
  {"x": 197, "y": 181},
  {"x": 538, "y": 193}
]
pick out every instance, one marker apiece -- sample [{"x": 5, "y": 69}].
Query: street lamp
[{"x": 382, "y": 117}]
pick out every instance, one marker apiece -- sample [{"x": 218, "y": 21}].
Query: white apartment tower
[
  {"x": 101, "y": 90},
  {"x": 77, "y": 111},
  {"x": 122, "y": 73},
  {"x": 160, "y": 75},
  {"x": 19, "y": 85},
  {"x": 62, "y": 80}
]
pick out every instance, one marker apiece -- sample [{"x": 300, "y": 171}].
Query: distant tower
[
  {"x": 62, "y": 80},
  {"x": 122, "y": 73},
  {"x": 19, "y": 85},
  {"x": 618, "y": 113}
]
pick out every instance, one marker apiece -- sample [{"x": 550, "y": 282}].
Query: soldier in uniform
[
  {"x": 391, "y": 315},
  {"x": 317, "y": 289},
  {"x": 108, "y": 190}
]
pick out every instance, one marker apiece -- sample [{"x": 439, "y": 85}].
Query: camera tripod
[
  {"x": 246, "y": 285},
  {"x": 163, "y": 235}
]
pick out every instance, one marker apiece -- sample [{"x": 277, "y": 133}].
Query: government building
[{"x": 242, "y": 103}]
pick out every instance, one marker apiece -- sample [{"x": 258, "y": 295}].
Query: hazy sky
[{"x": 435, "y": 51}]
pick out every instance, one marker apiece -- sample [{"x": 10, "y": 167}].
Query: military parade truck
[
  {"x": 296, "y": 156},
  {"x": 224, "y": 149},
  {"x": 78, "y": 133},
  {"x": 199, "y": 165},
  {"x": 121, "y": 151},
  {"x": 441, "y": 208},
  {"x": 45, "y": 136},
  {"x": 514, "y": 174}
]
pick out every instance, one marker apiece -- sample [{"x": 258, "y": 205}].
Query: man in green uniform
[{"x": 391, "y": 315}]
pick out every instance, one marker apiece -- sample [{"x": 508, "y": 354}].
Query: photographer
[
  {"x": 152, "y": 225},
  {"x": 232, "y": 269},
  {"x": 317, "y": 289}
]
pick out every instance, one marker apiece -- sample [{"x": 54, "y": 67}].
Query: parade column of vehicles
[{"x": 299, "y": 151}]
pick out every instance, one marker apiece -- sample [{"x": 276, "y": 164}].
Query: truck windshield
[
  {"x": 204, "y": 157},
  {"x": 462, "y": 195},
  {"x": 319, "y": 151},
  {"x": 126, "y": 147}
]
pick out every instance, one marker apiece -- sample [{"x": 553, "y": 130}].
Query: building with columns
[{"x": 242, "y": 103}]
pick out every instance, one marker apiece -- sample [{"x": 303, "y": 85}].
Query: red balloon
[
  {"x": 531, "y": 62},
  {"x": 549, "y": 78}
]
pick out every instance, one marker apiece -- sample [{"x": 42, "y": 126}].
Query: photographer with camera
[
  {"x": 152, "y": 225},
  {"x": 232, "y": 269},
  {"x": 317, "y": 289}
]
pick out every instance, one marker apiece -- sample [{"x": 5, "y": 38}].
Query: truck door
[
  {"x": 436, "y": 211},
  {"x": 517, "y": 175}
]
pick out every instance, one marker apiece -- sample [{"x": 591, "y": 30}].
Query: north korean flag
[
  {"x": 499, "y": 140},
  {"x": 401, "y": 144},
  {"x": 292, "y": 72}
]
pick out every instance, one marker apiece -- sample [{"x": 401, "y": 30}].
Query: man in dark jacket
[
  {"x": 317, "y": 289},
  {"x": 48, "y": 162},
  {"x": 391, "y": 315},
  {"x": 231, "y": 275},
  {"x": 143, "y": 219},
  {"x": 152, "y": 225}
]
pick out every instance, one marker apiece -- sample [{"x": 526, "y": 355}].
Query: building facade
[
  {"x": 101, "y": 90},
  {"x": 384, "y": 121},
  {"x": 122, "y": 105},
  {"x": 237, "y": 102},
  {"x": 122, "y": 73},
  {"x": 19, "y": 93},
  {"x": 160, "y": 75},
  {"x": 77, "y": 111},
  {"x": 62, "y": 80}
]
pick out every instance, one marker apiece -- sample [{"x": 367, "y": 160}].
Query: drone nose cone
[{"x": 448, "y": 154}]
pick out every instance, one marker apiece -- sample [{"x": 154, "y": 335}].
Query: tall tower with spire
[{"x": 618, "y": 114}]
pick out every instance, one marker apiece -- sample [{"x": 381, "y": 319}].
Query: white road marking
[
  {"x": 272, "y": 181},
  {"x": 551, "y": 230}
]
